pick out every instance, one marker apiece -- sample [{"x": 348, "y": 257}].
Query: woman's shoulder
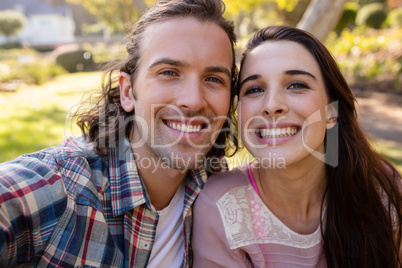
[{"x": 220, "y": 183}]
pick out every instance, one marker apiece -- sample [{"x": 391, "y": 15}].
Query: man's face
[{"x": 181, "y": 91}]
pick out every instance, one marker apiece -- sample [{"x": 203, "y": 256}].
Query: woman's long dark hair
[{"x": 362, "y": 227}]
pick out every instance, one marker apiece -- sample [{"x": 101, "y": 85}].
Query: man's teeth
[
  {"x": 184, "y": 127},
  {"x": 277, "y": 132}
]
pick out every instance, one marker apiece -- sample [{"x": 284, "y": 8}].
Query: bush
[
  {"x": 11, "y": 45},
  {"x": 394, "y": 18},
  {"x": 11, "y": 22},
  {"x": 35, "y": 73},
  {"x": 104, "y": 53},
  {"x": 348, "y": 17},
  {"x": 41, "y": 74},
  {"x": 76, "y": 61},
  {"x": 13, "y": 54},
  {"x": 371, "y": 15},
  {"x": 369, "y": 55}
]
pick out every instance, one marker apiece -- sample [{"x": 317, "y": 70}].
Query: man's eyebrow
[
  {"x": 169, "y": 61},
  {"x": 296, "y": 72},
  {"x": 250, "y": 78},
  {"x": 218, "y": 69}
]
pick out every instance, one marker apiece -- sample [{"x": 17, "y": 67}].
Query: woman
[{"x": 317, "y": 194}]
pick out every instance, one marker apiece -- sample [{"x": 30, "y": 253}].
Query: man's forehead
[
  {"x": 176, "y": 26},
  {"x": 185, "y": 40}
]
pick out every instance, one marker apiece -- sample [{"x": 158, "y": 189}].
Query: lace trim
[{"x": 248, "y": 221}]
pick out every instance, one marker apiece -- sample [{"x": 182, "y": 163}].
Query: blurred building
[{"x": 46, "y": 25}]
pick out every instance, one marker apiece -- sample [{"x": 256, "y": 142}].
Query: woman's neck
[{"x": 294, "y": 195}]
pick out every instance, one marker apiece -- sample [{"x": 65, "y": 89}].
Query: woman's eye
[
  {"x": 253, "y": 90},
  {"x": 298, "y": 85}
]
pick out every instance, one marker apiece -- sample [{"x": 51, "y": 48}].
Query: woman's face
[{"x": 282, "y": 104}]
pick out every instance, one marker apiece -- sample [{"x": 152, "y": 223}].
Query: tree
[
  {"x": 321, "y": 17},
  {"x": 118, "y": 14},
  {"x": 250, "y": 15},
  {"x": 11, "y": 22}
]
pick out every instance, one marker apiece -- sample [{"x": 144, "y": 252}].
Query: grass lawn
[
  {"x": 391, "y": 152},
  {"x": 34, "y": 118}
]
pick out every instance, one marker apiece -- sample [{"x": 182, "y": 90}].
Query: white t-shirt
[{"x": 168, "y": 249}]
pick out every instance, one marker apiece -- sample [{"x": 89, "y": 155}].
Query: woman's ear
[
  {"x": 331, "y": 113},
  {"x": 126, "y": 92}
]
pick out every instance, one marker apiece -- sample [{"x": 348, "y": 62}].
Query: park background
[{"x": 52, "y": 53}]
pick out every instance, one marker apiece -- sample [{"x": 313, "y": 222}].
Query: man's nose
[{"x": 191, "y": 96}]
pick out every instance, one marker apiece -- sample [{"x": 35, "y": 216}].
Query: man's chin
[
  {"x": 184, "y": 163},
  {"x": 181, "y": 159}
]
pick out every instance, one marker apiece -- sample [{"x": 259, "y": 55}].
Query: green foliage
[
  {"x": 119, "y": 15},
  {"x": 292, "y": 17},
  {"x": 11, "y": 22},
  {"x": 394, "y": 18},
  {"x": 11, "y": 45},
  {"x": 348, "y": 16},
  {"x": 76, "y": 61},
  {"x": 365, "y": 2},
  {"x": 371, "y": 15},
  {"x": 28, "y": 66},
  {"x": 103, "y": 53},
  {"x": 95, "y": 29},
  {"x": 35, "y": 74},
  {"x": 236, "y": 7},
  {"x": 10, "y": 54},
  {"x": 370, "y": 55}
]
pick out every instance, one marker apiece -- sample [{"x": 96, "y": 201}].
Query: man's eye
[
  {"x": 168, "y": 73},
  {"x": 253, "y": 90},
  {"x": 214, "y": 80},
  {"x": 298, "y": 85}
]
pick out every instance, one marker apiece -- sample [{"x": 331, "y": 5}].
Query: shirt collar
[{"x": 127, "y": 188}]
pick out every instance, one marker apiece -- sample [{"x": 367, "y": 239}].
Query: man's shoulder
[
  {"x": 30, "y": 187},
  {"x": 70, "y": 163},
  {"x": 76, "y": 147},
  {"x": 68, "y": 149}
]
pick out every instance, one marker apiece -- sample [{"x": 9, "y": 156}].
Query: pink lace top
[
  {"x": 232, "y": 227},
  {"x": 251, "y": 177}
]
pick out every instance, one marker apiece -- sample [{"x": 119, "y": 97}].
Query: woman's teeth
[{"x": 277, "y": 132}]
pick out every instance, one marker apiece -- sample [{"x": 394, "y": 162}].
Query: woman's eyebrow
[
  {"x": 251, "y": 77},
  {"x": 296, "y": 72}
]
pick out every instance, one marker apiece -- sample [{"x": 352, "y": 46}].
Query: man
[{"x": 122, "y": 195}]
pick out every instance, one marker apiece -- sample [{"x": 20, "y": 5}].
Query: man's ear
[
  {"x": 331, "y": 113},
  {"x": 126, "y": 92}
]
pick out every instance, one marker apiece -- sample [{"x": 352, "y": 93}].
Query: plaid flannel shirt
[{"x": 68, "y": 207}]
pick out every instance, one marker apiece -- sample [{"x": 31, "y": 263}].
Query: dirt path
[{"x": 380, "y": 114}]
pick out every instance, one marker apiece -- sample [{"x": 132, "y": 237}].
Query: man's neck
[
  {"x": 161, "y": 181},
  {"x": 161, "y": 184}
]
